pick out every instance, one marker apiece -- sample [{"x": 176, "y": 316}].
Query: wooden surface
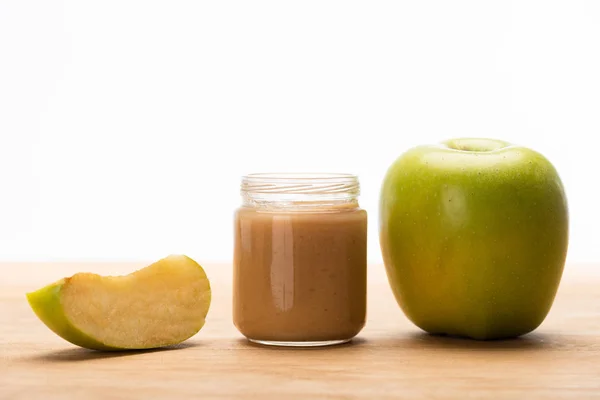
[{"x": 390, "y": 358}]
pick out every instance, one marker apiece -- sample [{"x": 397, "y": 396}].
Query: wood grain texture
[{"x": 390, "y": 358}]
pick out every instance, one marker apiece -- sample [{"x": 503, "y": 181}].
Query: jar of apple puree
[{"x": 300, "y": 259}]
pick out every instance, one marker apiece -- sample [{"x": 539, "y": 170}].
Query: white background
[{"x": 125, "y": 125}]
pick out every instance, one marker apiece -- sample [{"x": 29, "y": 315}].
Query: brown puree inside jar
[{"x": 300, "y": 276}]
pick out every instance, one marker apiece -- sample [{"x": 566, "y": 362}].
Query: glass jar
[{"x": 300, "y": 259}]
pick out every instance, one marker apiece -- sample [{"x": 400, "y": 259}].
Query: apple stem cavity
[{"x": 476, "y": 145}]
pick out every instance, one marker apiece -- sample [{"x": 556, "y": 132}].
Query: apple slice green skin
[
  {"x": 48, "y": 306},
  {"x": 45, "y": 302}
]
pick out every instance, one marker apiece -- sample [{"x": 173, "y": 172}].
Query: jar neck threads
[{"x": 300, "y": 191}]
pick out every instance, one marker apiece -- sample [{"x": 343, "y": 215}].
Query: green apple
[
  {"x": 160, "y": 305},
  {"x": 474, "y": 236}
]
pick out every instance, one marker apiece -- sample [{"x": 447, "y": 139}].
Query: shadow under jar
[{"x": 300, "y": 259}]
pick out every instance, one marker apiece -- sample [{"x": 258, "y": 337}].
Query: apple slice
[{"x": 160, "y": 305}]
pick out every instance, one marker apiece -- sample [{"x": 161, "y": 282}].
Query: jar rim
[
  {"x": 303, "y": 176},
  {"x": 301, "y": 186}
]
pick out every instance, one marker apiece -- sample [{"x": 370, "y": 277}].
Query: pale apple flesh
[{"x": 160, "y": 305}]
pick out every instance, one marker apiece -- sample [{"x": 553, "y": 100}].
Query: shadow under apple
[
  {"x": 79, "y": 354},
  {"x": 532, "y": 341}
]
